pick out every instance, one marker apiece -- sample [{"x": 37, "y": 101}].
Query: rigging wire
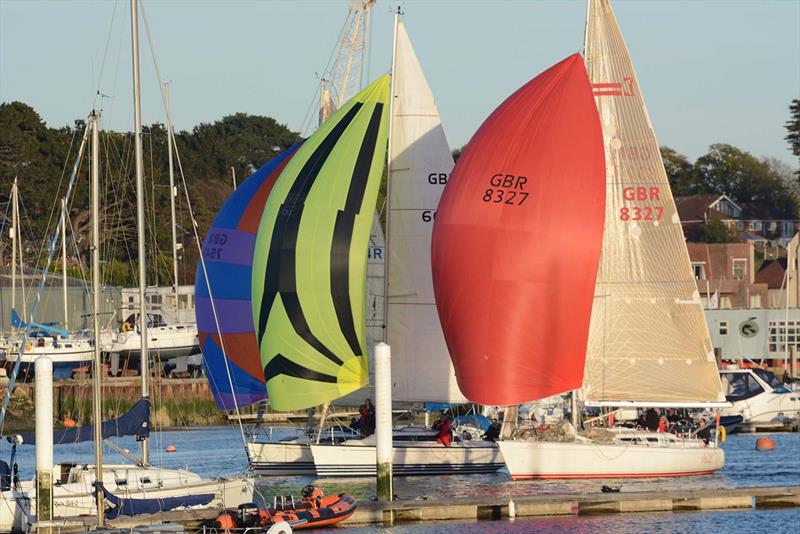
[{"x": 170, "y": 131}]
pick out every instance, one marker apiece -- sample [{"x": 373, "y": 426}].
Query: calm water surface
[{"x": 219, "y": 451}]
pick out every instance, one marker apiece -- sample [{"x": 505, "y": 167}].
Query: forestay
[
  {"x": 309, "y": 270},
  {"x": 648, "y": 339},
  {"x": 420, "y": 165}
]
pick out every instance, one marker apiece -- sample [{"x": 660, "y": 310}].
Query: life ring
[
  {"x": 721, "y": 434},
  {"x": 28, "y": 347},
  {"x": 126, "y": 326}
]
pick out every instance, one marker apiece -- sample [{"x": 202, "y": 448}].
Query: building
[
  {"x": 746, "y": 220},
  {"x": 725, "y": 275}
]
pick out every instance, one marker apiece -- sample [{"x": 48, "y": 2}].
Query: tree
[
  {"x": 728, "y": 170},
  {"x": 681, "y": 173},
  {"x": 793, "y": 127},
  {"x": 715, "y": 231}
]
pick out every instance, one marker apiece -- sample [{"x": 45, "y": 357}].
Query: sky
[{"x": 710, "y": 71}]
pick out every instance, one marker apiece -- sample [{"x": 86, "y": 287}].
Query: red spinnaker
[{"x": 517, "y": 240}]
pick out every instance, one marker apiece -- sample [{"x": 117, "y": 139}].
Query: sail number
[
  {"x": 506, "y": 189},
  {"x": 641, "y": 213},
  {"x": 214, "y": 243}
]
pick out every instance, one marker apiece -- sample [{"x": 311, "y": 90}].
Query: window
[
  {"x": 154, "y": 299},
  {"x": 755, "y": 226},
  {"x": 723, "y": 328},
  {"x": 739, "y": 225},
  {"x": 699, "y": 268},
  {"x": 740, "y": 386},
  {"x": 787, "y": 228},
  {"x": 773, "y": 226},
  {"x": 739, "y": 269},
  {"x": 779, "y": 333}
]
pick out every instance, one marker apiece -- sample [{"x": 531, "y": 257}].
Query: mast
[
  {"x": 387, "y": 233},
  {"x": 98, "y": 395},
  {"x": 14, "y": 224},
  {"x": 64, "y": 258},
  {"x": 172, "y": 194},
  {"x": 137, "y": 119}
]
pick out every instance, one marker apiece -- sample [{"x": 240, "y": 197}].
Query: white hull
[
  {"x": 290, "y": 458},
  {"x": 75, "y": 497},
  {"x": 421, "y": 458},
  {"x": 547, "y": 460},
  {"x": 169, "y": 341}
]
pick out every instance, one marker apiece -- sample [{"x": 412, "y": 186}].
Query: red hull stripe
[{"x": 613, "y": 475}]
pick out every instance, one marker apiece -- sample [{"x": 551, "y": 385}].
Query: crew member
[{"x": 445, "y": 427}]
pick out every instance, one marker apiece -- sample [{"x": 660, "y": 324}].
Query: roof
[
  {"x": 772, "y": 273},
  {"x": 750, "y": 236},
  {"x": 696, "y": 208}
]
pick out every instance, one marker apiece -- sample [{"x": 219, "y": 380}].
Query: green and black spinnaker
[{"x": 309, "y": 269}]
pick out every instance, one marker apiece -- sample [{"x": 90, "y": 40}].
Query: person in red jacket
[{"x": 445, "y": 427}]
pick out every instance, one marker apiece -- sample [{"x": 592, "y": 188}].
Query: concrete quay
[
  {"x": 498, "y": 507},
  {"x": 471, "y": 509}
]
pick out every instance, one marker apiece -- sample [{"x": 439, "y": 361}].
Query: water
[{"x": 219, "y": 451}]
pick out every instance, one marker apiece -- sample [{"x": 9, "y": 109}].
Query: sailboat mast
[
  {"x": 98, "y": 396},
  {"x": 172, "y": 193},
  {"x": 14, "y": 224},
  {"x": 137, "y": 120},
  {"x": 586, "y": 28},
  {"x": 387, "y": 247},
  {"x": 64, "y": 258}
]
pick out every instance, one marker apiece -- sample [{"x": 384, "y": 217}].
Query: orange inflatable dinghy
[{"x": 314, "y": 511}]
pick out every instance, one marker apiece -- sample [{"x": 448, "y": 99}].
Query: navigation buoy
[
  {"x": 765, "y": 444},
  {"x": 171, "y": 448},
  {"x": 69, "y": 423}
]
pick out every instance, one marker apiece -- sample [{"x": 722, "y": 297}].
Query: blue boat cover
[
  {"x": 134, "y": 422},
  {"x": 227, "y": 338},
  {"x": 119, "y": 506},
  {"x": 478, "y": 421}
]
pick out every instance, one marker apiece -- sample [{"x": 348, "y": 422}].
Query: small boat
[
  {"x": 315, "y": 510},
  {"x": 757, "y": 396}
]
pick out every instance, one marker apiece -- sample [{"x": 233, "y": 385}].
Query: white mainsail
[
  {"x": 420, "y": 162},
  {"x": 648, "y": 339}
]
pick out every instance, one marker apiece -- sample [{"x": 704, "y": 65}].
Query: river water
[{"x": 219, "y": 451}]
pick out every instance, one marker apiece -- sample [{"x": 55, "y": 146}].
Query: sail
[
  {"x": 648, "y": 340},
  {"x": 228, "y": 342},
  {"x": 310, "y": 265},
  {"x": 134, "y": 422},
  {"x": 516, "y": 242},
  {"x": 420, "y": 163}
]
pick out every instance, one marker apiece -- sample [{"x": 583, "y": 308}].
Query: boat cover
[
  {"x": 134, "y": 422},
  {"x": 120, "y": 506}
]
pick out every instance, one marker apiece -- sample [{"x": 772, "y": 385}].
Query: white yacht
[
  {"x": 167, "y": 341},
  {"x": 67, "y": 353},
  {"x": 72, "y": 491},
  {"x": 758, "y": 396}
]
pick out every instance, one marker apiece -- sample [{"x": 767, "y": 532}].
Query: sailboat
[
  {"x": 419, "y": 166},
  {"x": 67, "y": 351},
  {"x": 635, "y": 334},
  {"x": 74, "y": 492}
]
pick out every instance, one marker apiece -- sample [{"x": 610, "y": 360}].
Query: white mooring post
[
  {"x": 383, "y": 420},
  {"x": 44, "y": 442}
]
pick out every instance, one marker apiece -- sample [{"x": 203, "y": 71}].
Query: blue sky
[{"x": 711, "y": 71}]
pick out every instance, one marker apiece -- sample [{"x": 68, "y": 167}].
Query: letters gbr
[
  {"x": 506, "y": 189},
  {"x": 648, "y": 200}
]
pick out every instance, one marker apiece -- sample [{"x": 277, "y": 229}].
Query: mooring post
[
  {"x": 383, "y": 420},
  {"x": 44, "y": 443}
]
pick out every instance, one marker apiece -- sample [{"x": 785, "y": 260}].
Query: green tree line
[{"x": 41, "y": 158}]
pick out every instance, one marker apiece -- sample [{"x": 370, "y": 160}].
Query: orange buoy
[
  {"x": 765, "y": 444},
  {"x": 171, "y": 448},
  {"x": 69, "y": 423}
]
